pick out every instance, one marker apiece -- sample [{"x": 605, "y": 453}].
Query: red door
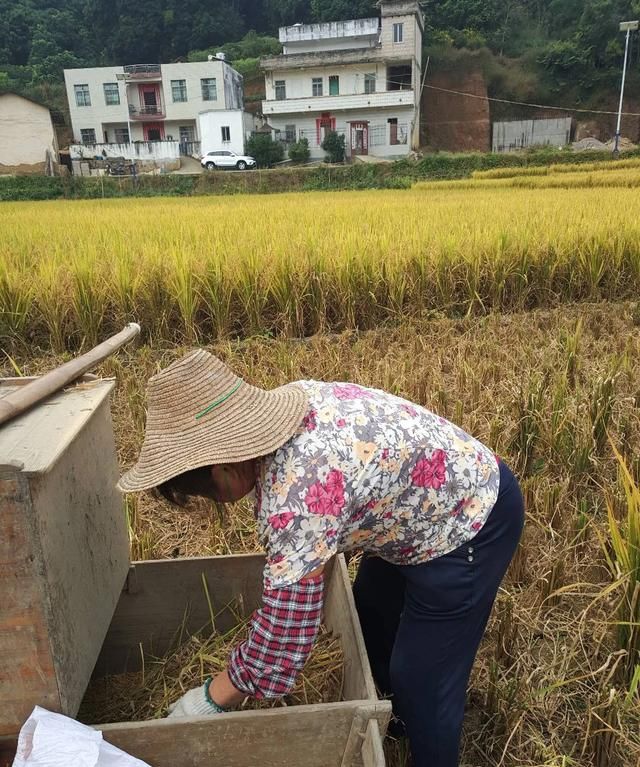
[
  {"x": 359, "y": 137},
  {"x": 153, "y": 131},
  {"x": 149, "y": 99},
  {"x": 324, "y": 124}
]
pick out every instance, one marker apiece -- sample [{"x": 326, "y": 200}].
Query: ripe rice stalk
[
  {"x": 571, "y": 343},
  {"x": 547, "y": 170},
  {"x": 147, "y": 694},
  {"x": 601, "y": 409},
  {"x": 529, "y": 421},
  {"x": 51, "y": 299},
  {"x": 624, "y": 539},
  {"x": 217, "y": 298},
  {"x": 88, "y": 301},
  {"x": 354, "y": 260},
  {"x": 183, "y": 286},
  {"x": 16, "y": 301}
]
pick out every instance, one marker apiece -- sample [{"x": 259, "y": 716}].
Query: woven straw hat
[{"x": 200, "y": 413}]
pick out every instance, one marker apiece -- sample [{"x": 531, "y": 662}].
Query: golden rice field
[
  {"x": 510, "y": 310},
  {"x": 296, "y": 264},
  {"x": 550, "y": 170},
  {"x": 530, "y": 178}
]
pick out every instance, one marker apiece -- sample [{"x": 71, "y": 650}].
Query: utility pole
[{"x": 628, "y": 27}]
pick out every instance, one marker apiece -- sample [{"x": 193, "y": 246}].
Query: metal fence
[{"x": 190, "y": 148}]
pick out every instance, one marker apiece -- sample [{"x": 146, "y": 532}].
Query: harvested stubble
[
  {"x": 551, "y": 686},
  {"x": 147, "y": 694}
]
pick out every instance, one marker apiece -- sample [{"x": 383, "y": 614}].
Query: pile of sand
[{"x": 588, "y": 144}]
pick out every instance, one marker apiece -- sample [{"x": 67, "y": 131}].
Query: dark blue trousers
[{"x": 423, "y": 624}]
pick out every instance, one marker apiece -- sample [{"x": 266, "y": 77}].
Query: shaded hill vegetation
[{"x": 566, "y": 50}]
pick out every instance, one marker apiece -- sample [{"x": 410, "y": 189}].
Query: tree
[
  {"x": 337, "y": 10},
  {"x": 333, "y": 145},
  {"x": 266, "y": 151},
  {"x": 299, "y": 151}
]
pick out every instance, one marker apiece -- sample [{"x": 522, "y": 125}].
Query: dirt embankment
[{"x": 452, "y": 122}]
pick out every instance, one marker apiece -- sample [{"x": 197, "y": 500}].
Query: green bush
[
  {"x": 266, "y": 151},
  {"x": 333, "y": 145},
  {"x": 299, "y": 152}
]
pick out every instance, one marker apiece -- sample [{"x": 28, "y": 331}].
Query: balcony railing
[
  {"x": 310, "y": 104},
  {"x": 153, "y": 112},
  {"x": 142, "y": 71}
]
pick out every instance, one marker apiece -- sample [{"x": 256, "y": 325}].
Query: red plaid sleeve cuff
[{"x": 281, "y": 636}]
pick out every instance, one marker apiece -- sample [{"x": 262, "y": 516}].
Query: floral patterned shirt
[{"x": 368, "y": 470}]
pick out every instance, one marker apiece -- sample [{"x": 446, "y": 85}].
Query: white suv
[{"x": 223, "y": 158}]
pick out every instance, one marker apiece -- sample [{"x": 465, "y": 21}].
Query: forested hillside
[{"x": 571, "y": 47}]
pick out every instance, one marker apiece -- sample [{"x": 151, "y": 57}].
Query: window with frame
[
  {"x": 83, "y": 97},
  {"x": 209, "y": 89},
  {"x": 398, "y": 33},
  {"x": 370, "y": 83},
  {"x": 290, "y": 134},
  {"x": 179, "y": 90},
  {"x": 226, "y": 133},
  {"x": 122, "y": 135},
  {"x": 334, "y": 85},
  {"x": 111, "y": 94},
  {"x": 88, "y": 135},
  {"x": 281, "y": 90},
  {"x": 316, "y": 86}
]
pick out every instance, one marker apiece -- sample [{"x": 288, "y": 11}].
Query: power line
[{"x": 527, "y": 104}]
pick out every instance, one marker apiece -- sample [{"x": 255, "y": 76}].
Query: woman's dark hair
[{"x": 178, "y": 489}]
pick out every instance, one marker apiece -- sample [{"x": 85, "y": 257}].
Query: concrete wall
[
  {"x": 210, "y": 128},
  {"x": 26, "y": 135},
  {"x": 511, "y": 136},
  {"x": 149, "y": 151}
]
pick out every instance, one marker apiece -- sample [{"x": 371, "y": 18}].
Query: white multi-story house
[
  {"x": 159, "y": 102},
  {"x": 361, "y": 78}
]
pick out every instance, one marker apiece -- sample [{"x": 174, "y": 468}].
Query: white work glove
[{"x": 196, "y": 702}]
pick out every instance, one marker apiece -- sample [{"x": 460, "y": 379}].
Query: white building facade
[
  {"x": 27, "y": 138},
  {"x": 361, "y": 78},
  {"x": 152, "y": 102}
]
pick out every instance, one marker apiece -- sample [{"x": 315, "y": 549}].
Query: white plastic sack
[{"x": 53, "y": 740}]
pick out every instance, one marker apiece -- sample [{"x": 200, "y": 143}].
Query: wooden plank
[
  {"x": 372, "y": 753},
  {"x": 353, "y": 753},
  {"x": 18, "y": 381},
  {"x": 163, "y": 597},
  {"x": 27, "y": 673},
  {"x": 82, "y": 532},
  {"x": 300, "y": 736},
  {"x": 341, "y": 617},
  {"x": 40, "y": 436}
]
